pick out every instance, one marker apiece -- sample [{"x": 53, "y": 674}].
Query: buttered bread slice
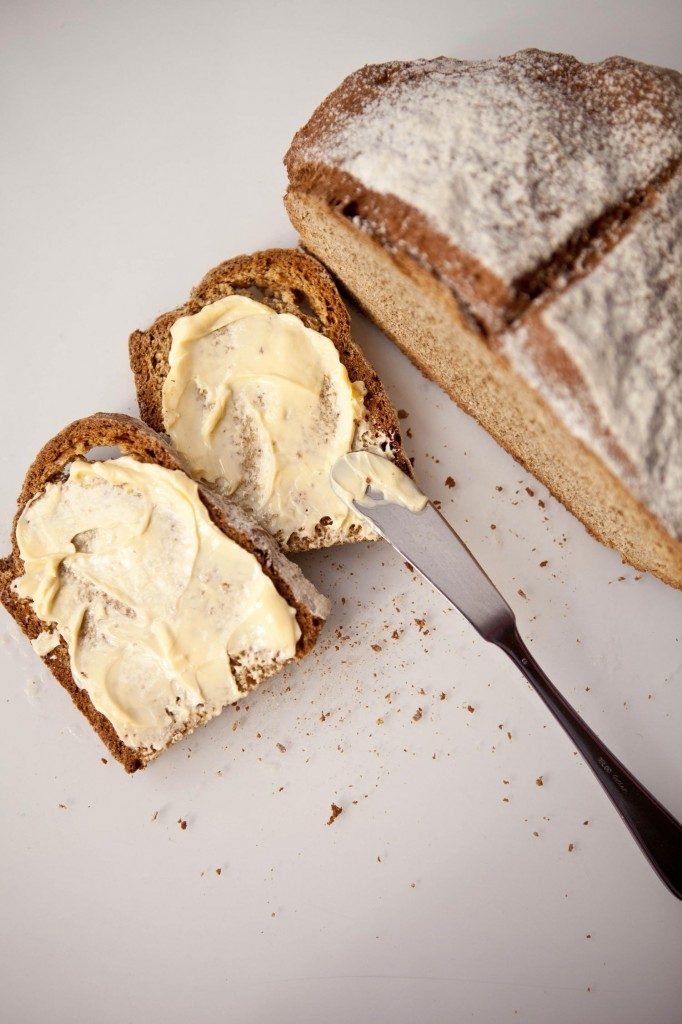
[
  {"x": 152, "y": 600},
  {"x": 258, "y": 384}
]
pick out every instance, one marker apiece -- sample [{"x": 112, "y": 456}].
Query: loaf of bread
[
  {"x": 515, "y": 225},
  {"x": 289, "y": 282},
  {"x": 109, "y": 569}
]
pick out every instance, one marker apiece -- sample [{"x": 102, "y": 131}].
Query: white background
[{"x": 141, "y": 144}]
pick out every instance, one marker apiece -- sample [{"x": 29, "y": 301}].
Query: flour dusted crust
[
  {"x": 530, "y": 205},
  {"x": 487, "y": 171},
  {"x": 134, "y": 438}
]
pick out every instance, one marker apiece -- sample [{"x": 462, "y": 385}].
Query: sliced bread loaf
[
  {"x": 112, "y": 587},
  {"x": 514, "y": 226}
]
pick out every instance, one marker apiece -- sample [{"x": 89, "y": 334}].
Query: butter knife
[{"x": 375, "y": 488}]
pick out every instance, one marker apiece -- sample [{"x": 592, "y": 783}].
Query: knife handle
[{"x": 657, "y": 833}]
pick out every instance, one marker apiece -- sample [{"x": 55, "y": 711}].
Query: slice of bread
[
  {"x": 133, "y": 438},
  {"x": 288, "y": 281}
]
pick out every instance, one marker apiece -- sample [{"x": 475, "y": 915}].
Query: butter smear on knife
[{"x": 354, "y": 474}]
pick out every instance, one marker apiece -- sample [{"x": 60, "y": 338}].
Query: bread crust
[
  {"x": 650, "y": 96},
  {"x": 289, "y": 281},
  {"x": 138, "y": 440}
]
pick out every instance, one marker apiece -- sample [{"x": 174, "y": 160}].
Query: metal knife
[{"x": 429, "y": 543}]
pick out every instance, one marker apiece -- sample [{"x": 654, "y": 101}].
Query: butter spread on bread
[
  {"x": 261, "y": 406},
  {"x": 153, "y": 600},
  {"x": 284, "y": 281}
]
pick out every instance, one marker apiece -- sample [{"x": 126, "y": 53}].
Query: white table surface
[{"x": 142, "y": 143}]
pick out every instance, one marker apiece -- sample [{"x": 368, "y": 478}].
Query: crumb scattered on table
[{"x": 336, "y": 811}]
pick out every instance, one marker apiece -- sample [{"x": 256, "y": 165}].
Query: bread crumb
[
  {"x": 570, "y": 847},
  {"x": 154, "y": 816},
  {"x": 471, "y": 709},
  {"x": 403, "y": 414},
  {"x": 234, "y": 726},
  {"x": 544, "y": 563},
  {"x": 336, "y": 810},
  {"x": 443, "y": 696},
  {"x": 536, "y": 834},
  {"x": 282, "y": 749},
  {"x": 182, "y": 823},
  {"x": 417, "y": 715},
  {"x": 522, "y": 594},
  {"x": 409, "y": 566},
  {"x": 493, "y": 526},
  {"x": 380, "y": 721},
  {"x": 376, "y": 647},
  {"x": 499, "y": 487},
  {"x": 412, "y": 885},
  {"x": 538, "y": 781},
  {"x": 449, "y": 482},
  {"x": 63, "y": 807},
  {"x": 218, "y": 871},
  {"x": 104, "y": 760},
  {"x": 530, "y": 492}
]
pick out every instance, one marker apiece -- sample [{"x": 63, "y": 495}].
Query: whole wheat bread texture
[
  {"x": 482, "y": 293},
  {"x": 134, "y": 438},
  {"x": 289, "y": 281}
]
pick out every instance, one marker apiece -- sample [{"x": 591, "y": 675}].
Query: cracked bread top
[{"x": 495, "y": 174}]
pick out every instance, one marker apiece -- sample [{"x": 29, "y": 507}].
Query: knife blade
[{"x": 373, "y": 487}]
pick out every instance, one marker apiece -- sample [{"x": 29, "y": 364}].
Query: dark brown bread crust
[
  {"x": 289, "y": 281},
  {"x": 136, "y": 439}
]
